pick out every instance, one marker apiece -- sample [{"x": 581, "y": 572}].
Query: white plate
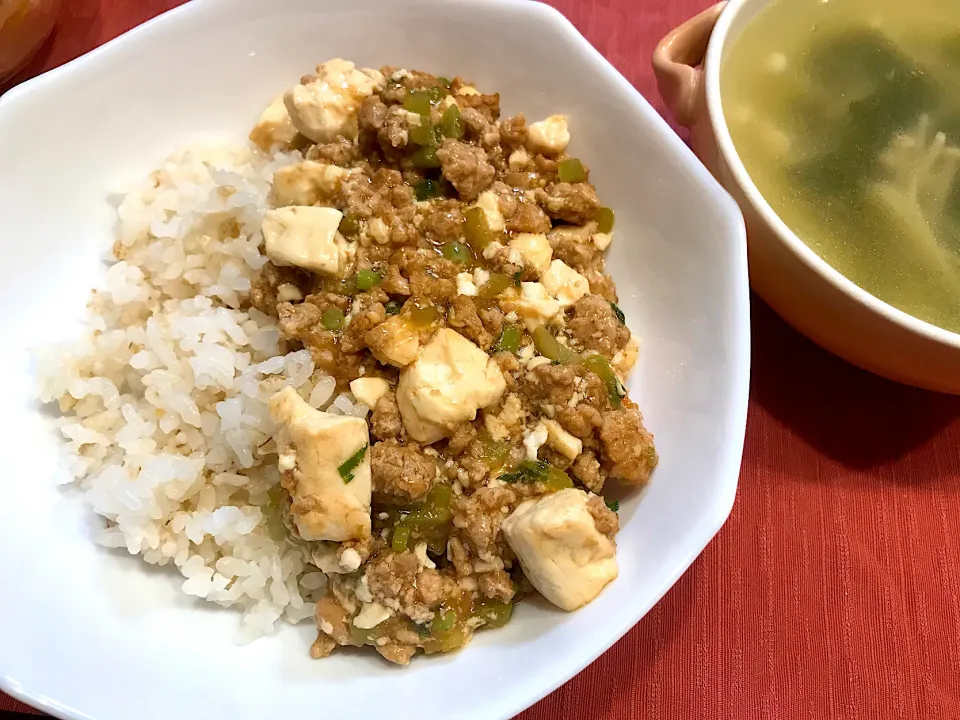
[{"x": 89, "y": 633}]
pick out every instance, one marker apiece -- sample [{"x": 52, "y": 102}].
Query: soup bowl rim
[{"x": 731, "y": 158}]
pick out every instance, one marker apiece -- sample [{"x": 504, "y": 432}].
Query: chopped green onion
[
  {"x": 332, "y": 318},
  {"x": 457, "y": 252},
  {"x": 393, "y": 307},
  {"x": 425, "y": 157},
  {"x": 604, "y": 219},
  {"x": 600, "y": 366},
  {"x": 451, "y": 124},
  {"x": 427, "y": 189},
  {"x": 424, "y": 134},
  {"x": 495, "y": 285},
  {"x": 571, "y": 171},
  {"x": 477, "y": 229},
  {"x": 349, "y": 226},
  {"x": 548, "y": 346},
  {"x": 351, "y": 463},
  {"x": 509, "y": 340},
  {"x": 529, "y": 472},
  {"x": 417, "y": 101},
  {"x": 401, "y": 538},
  {"x": 443, "y": 621},
  {"x": 614, "y": 505},
  {"x": 367, "y": 279},
  {"x": 516, "y": 278},
  {"x": 619, "y": 313}
]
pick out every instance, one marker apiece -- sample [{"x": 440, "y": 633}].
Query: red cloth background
[{"x": 832, "y": 591}]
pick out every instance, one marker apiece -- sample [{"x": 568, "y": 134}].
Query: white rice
[{"x": 164, "y": 399}]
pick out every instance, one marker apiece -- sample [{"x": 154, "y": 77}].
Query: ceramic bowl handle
[{"x": 676, "y": 64}]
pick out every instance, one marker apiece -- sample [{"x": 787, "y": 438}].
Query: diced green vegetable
[
  {"x": 612, "y": 504},
  {"x": 401, "y": 538},
  {"x": 477, "y": 229},
  {"x": 600, "y": 366},
  {"x": 604, "y": 218},
  {"x": 451, "y": 124},
  {"x": 424, "y": 134},
  {"x": 367, "y": 279},
  {"x": 349, "y": 226},
  {"x": 444, "y": 82},
  {"x": 428, "y": 520},
  {"x": 435, "y": 94},
  {"x": 427, "y": 189},
  {"x": 351, "y": 464},
  {"x": 493, "y": 453},
  {"x": 495, "y": 285},
  {"x": 417, "y": 101},
  {"x": 422, "y": 316},
  {"x": 425, "y": 158},
  {"x": 332, "y": 318},
  {"x": 529, "y": 472},
  {"x": 494, "y": 613},
  {"x": 548, "y": 346},
  {"x": 571, "y": 171},
  {"x": 393, "y": 307},
  {"x": 509, "y": 340},
  {"x": 443, "y": 621},
  {"x": 457, "y": 252},
  {"x": 619, "y": 313}
]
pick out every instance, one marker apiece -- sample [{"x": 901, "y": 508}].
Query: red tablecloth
[{"x": 831, "y": 592}]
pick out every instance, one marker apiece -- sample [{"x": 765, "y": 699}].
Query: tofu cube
[
  {"x": 535, "y": 306},
  {"x": 308, "y": 183},
  {"x": 394, "y": 342},
  {"x": 560, "y": 549},
  {"x": 549, "y": 136},
  {"x": 326, "y": 107},
  {"x": 534, "y": 249},
  {"x": 369, "y": 390},
  {"x": 565, "y": 284},
  {"x": 307, "y": 237},
  {"x": 314, "y": 446},
  {"x": 448, "y": 382},
  {"x": 274, "y": 128},
  {"x": 490, "y": 204},
  {"x": 568, "y": 445}
]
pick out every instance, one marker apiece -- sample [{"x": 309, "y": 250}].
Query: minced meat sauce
[{"x": 446, "y": 266}]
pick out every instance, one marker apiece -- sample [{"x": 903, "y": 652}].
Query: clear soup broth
[{"x": 846, "y": 114}]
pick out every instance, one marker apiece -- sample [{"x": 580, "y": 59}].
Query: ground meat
[
  {"x": 595, "y": 326},
  {"x": 464, "y": 434},
  {"x": 496, "y": 585},
  {"x": 430, "y": 275},
  {"x": 340, "y": 152},
  {"x": 395, "y": 283},
  {"x": 324, "y": 347},
  {"x": 460, "y": 557},
  {"x": 476, "y": 126},
  {"x": 372, "y": 114},
  {"x": 332, "y": 616},
  {"x": 362, "y": 201},
  {"x": 389, "y": 183},
  {"x": 595, "y": 392},
  {"x": 606, "y": 520},
  {"x": 464, "y": 319},
  {"x": 580, "y": 421},
  {"x": 575, "y": 203},
  {"x": 602, "y": 284},
  {"x": 492, "y": 319},
  {"x": 513, "y": 132},
  {"x": 263, "y": 289},
  {"x": 370, "y": 313},
  {"x": 397, "y": 652},
  {"x": 394, "y": 133},
  {"x": 509, "y": 366},
  {"x": 295, "y": 319},
  {"x": 627, "y": 448},
  {"x": 401, "y": 474},
  {"x": 552, "y": 384},
  {"x": 488, "y": 105},
  {"x": 529, "y": 218},
  {"x": 586, "y": 469},
  {"x": 392, "y": 579},
  {"x": 466, "y": 167},
  {"x": 479, "y": 516},
  {"x": 573, "y": 246},
  {"x": 443, "y": 222},
  {"x": 385, "y": 423},
  {"x": 432, "y": 588}
]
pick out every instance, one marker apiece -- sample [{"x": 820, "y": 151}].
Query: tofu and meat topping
[{"x": 445, "y": 265}]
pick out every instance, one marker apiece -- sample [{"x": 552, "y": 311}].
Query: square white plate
[{"x": 91, "y": 633}]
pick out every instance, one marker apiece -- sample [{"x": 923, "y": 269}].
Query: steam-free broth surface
[{"x": 846, "y": 115}]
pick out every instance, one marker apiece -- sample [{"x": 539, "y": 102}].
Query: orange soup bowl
[{"x": 800, "y": 286}]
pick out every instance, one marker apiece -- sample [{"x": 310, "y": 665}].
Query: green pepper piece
[
  {"x": 424, "y": 134},
  {"x": 497, "y": 283},
  {"x": 509, "y": 340},
  {"x": 417, "y": 101},
  {"x": 423, "y": 316},
  {"x": 494, "y": 613},
  {"x": 349, "y": 226},
  {"x": 427, "y": 189},
  {"x": 367, "y": 279},
  {"x": 351, "y": 464},
  {"x": 458, "y": 253},
  {"x": 571, "y": 171},
  {"x": 451, "y": 124},
  {"x": 548, "y": 346},
  {"x": 444, "y": 82},
  {"x": 443, "y": 621},
  {"x": 604, "y": 218},
  {"x": 401, "y": 538},
  {"x": 529, "y": 472},
  {"x": 393, "y": 307},
  {"x": 425, "y": 157},
  {"x": 332, "y": 319},
  {"x": 600, "y": 366},
  {"x": 477, "y": 229},
  {"x": 435, "y": 94}
]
